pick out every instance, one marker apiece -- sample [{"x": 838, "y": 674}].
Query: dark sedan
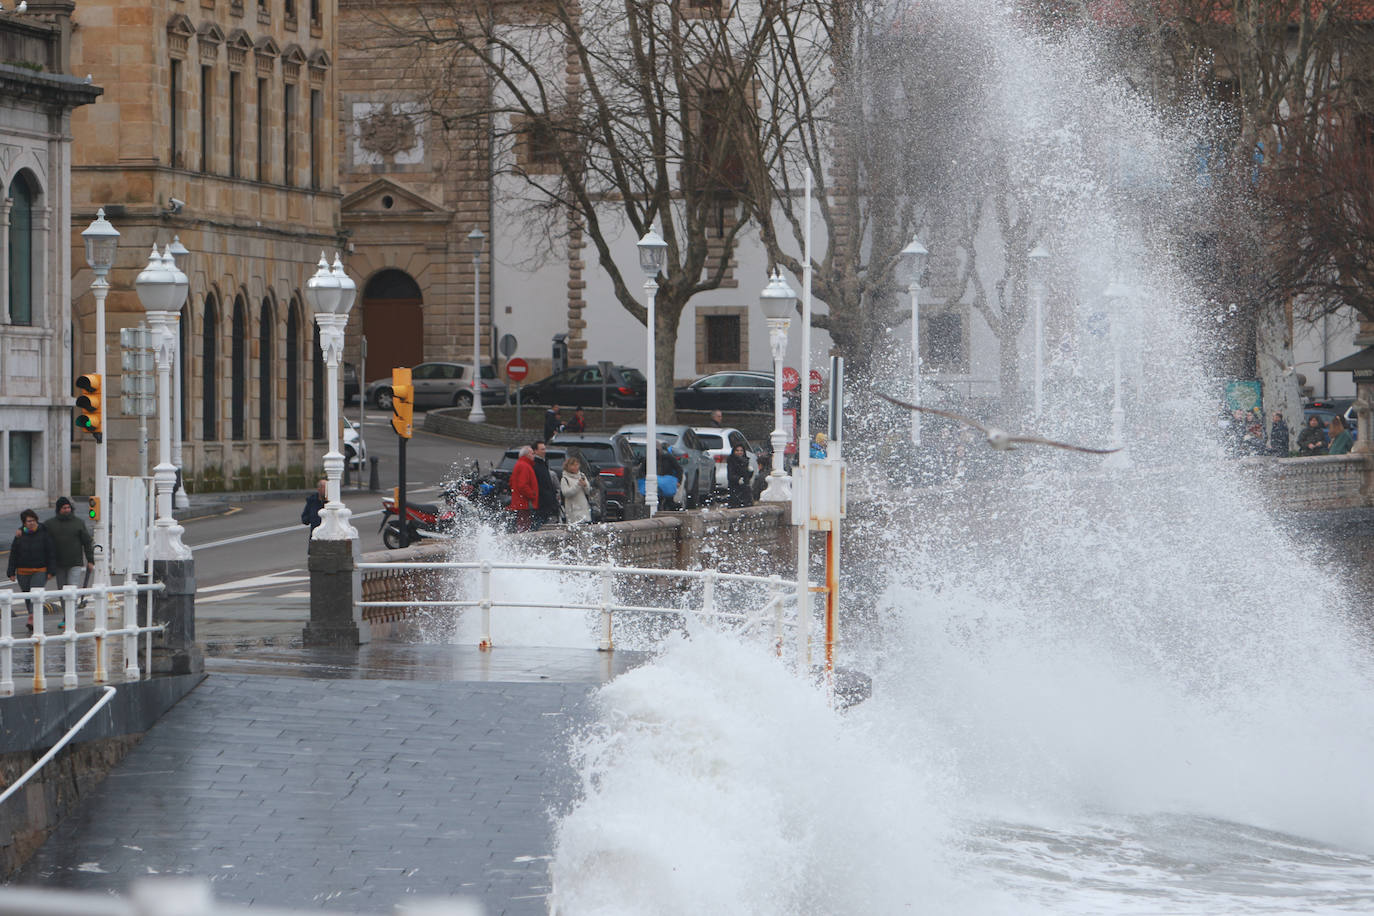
[
  {"x": 582, "y": 386},
  {"x": 727, "y": 391}
]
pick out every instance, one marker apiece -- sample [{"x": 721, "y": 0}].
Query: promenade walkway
[{"x": 346, "y": 781}]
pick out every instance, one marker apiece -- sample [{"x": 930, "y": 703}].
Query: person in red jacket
[{"x": 524, "y": 489}]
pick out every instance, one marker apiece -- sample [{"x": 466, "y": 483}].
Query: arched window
[
  {"x": 293, "y": 371},
  {"x": 209, "y": 373},
  {"x": 21, "y": 251},
  {"x": 267, "y": 364},
  {"x": 238, "y": 372},
  {"x": 317, "y": 389}
]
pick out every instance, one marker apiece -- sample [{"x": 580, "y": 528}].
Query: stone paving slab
[{"x": 342, "y": 791}]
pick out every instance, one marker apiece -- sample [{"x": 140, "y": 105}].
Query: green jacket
[
  {"x": 72, "y": 539},
  {"x": 1341, "y": 444}
]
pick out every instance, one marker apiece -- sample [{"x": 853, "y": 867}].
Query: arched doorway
[{"x": 393, "y": 323}]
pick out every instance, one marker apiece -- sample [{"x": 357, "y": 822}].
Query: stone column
[
  {"x": 1364, "y": 415},
  {"x": 174, "y": 649},
  {"x": 332, "y": 579}
]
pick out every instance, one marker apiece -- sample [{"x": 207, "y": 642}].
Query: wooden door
[{"x": 395, "y": 335}]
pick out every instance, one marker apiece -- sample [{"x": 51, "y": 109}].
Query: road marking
[{"x": 284, "y": 577}]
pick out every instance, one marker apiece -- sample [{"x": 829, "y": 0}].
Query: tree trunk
[{"x": 1278, "y": 377}]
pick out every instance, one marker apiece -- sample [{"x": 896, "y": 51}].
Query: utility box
[{"x": 560, "y": 352}]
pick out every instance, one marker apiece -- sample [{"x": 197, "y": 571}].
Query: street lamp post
[
  {"x": 911, "y": 267},
  {"x": 778, "y": 302},
  {"x": 475, "y": 240},
  {"x": 179, "y": 498},
  {"x": 652, "y": 251},
  {"x": 162, "y": 289},
  {"x": 102, "y": 242},
  {"x": 1116, "y": 295},
  {"x": 331, "y": 300},
  {"x": 1039, "y": 266}
]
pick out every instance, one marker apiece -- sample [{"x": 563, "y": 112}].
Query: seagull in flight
[{"x": 999, "y": 439}]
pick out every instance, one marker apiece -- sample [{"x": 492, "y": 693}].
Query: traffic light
[
  {"x": 402, "y": 402},
  {"x": 88, "y": 402},
  {"x": 93, "y": 512}
]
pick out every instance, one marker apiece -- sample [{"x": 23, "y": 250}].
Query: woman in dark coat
[
  {"x": 739, "y": 478},
  {"x": 33, "y": 556},
  {"x": 1312, "y": 439}
]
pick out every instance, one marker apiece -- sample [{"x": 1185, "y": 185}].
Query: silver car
[{"x": 441, "y": 385}]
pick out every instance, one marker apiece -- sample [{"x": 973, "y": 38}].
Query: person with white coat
[{"x": 573, "y": 485}]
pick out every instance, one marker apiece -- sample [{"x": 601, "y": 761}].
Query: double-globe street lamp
[
  {"x": 1116, "y": 294},
  {"x": 476, "y": 238},
  {"x": 652, "y": 252},
  {"x": 1039, "y": 269},
  {"x": 162, "y": 289},
  {"x": 330, "y": 294},
  {"x": 911, "y": 267},
  {"x": 102, "y": 243},
  {"x": 778, "y": 302}
]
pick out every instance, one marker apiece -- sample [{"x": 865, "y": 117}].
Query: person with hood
[
  {"x": 524, "y": 489},
  {"x": 820, "y": 445},
  {"x": 1278, "y": 436},
  {"x": 1341, "y": 439},
  {"x": 33, "y": 556},
  {"x": 739, "y": 478},
  {"x": 574, "y": 487},
  {"x": 72, "y": 540},
  {"x": 1312, "y": 439}
]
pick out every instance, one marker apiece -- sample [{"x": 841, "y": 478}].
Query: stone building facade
[
  {"x": 217, "y": 127},
  {"x": 37, "y": 97}
]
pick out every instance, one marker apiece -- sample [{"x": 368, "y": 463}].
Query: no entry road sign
[{"x": 517, "y": 369}]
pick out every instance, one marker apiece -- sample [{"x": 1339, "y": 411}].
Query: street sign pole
[
  {"x": 362, "y": 407},
  {"x": 516, "y": 369}
]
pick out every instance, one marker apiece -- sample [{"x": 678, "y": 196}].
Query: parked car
[
  {"x": 727, "y": 391},
  {"x": 354, "y": 448},
  {"x": 441, "y": 385},
  {"x": 698, "y": 469},
  {"x": 582, "y": 386},
  {"x": 554, "y": 457},
  {"x": 719, "y": 443},
  {"x": 615, "y": 465}
]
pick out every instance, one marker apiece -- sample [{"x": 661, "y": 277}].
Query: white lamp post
[
  {"x": 911, "y": 267},
  {"x": 652, "y": 251},
  {"x": 179, "y": 498},
  {"x": 1116, "y": 295},
  {"x": 475, "y": 240},
  {"x": 778, "y": 302},
  {"x": 102, "y": 242},
  {"x": 1039, "y": 267},
  {"x": 331, "y": 300},
  {"x": 162, "y": 289}
]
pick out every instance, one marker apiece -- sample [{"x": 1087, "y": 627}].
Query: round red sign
[
  {"x": 816, "y": 381},
  {"x": 517, "y": 369},
  {"x": 791, "y": 378}
]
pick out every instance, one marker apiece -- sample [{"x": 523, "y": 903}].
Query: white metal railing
[
  {"x": 779, "y": 592},
  {"x": 109, "y": 693},
  {"x": 100, "y": 634}
]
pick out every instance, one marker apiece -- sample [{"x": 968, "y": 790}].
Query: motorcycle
[{"x": 423, "y": 521}]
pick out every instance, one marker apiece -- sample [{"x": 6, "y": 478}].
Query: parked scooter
[{"x": 423, "y": 521}]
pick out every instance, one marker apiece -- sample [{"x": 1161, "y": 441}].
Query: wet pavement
[{"x": 345, "y": 780}]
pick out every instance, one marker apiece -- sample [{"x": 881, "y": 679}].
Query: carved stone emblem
[{"x": 388, "y": 132}]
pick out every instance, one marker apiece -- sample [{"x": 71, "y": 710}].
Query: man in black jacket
[
  {"x": 72, "y": 540},
  {"x": 547, "y": 510},
  {"x": 33, "y": 558}
]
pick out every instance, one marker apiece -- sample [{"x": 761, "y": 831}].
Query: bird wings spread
[{"x": 1022, "y": 440}]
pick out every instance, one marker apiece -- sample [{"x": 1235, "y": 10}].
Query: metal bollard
[{"x": 372, "y": 479}]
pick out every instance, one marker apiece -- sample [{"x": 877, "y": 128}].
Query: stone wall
[
  {"x": 499, "y": 429},
  {"x": 671, "y": 540},
  {"x": 1326, "y": 482}
]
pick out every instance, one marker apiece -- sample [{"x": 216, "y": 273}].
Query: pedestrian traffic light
[
  {"x": 88, "y": 402},
  {"x": 93, "y": 512},
  {"x": 402, "y": 402}
]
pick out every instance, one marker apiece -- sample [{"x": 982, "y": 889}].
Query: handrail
[
  {"x": 71, "y": 733},
  {"x": 556, "y": 567}
]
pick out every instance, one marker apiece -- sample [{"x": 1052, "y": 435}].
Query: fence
[
  {"x": 70, "y": 637},
  {"x": 779, "y": 593}
]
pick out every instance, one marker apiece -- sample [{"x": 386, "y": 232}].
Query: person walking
[
  {"x": 314, "y": 504},
  {"x": 739, "y": 479},
  {"x": 72, "y": 540},
  {"x": 573, "y": 485},
  {"x": 524, "y": 490},
  {"x": 1341, "y": 439},
  {"x": 553, "y": 424},
  {"x": 546, "y": 510},
  {"x": 1312, "y": 439},
  {"x": 1278, "y": 436},
  {"x": 33, "y": 556}
]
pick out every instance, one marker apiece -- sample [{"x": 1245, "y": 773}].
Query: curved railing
[{"x": 778, "y": 593}]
